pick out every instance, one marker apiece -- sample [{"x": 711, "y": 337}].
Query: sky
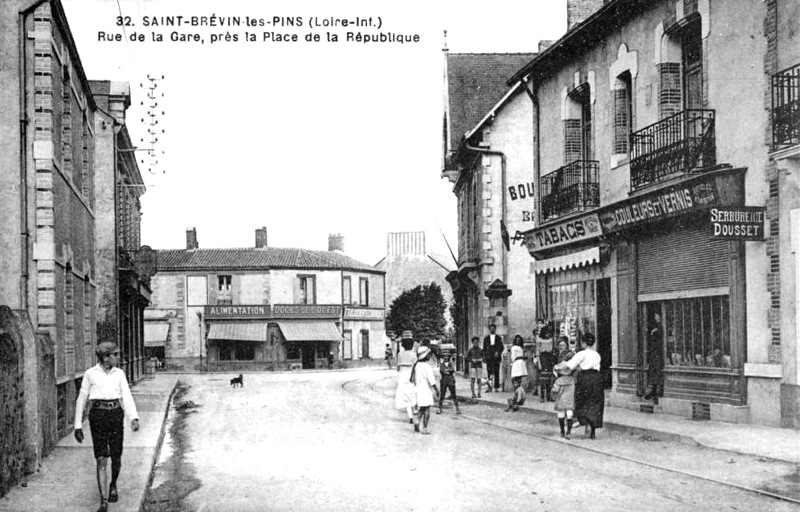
[{"x": 306, "y": 138}]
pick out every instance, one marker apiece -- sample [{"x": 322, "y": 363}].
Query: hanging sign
[{"x": 738, "y": 223}]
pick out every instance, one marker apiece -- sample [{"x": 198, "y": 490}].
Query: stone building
[
  {"x": 264, "y": 307},
  {"x": 48, "y": 275},
  {"x": 488, "y": 154},
  {"x": 123, "y": 287},
  {"x": 662, "y": 212}
]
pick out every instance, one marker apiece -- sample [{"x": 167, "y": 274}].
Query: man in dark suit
[{"x": 493, "y": 350}]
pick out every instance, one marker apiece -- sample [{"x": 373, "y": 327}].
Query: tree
[{"x": 419, "y": 310}]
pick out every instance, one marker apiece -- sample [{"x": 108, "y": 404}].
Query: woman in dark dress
[{"x": 589, "y": 391}]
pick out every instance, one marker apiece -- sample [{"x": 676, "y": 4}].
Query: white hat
[{"x": 423, "y": 352}]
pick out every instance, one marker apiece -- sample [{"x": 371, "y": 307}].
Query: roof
[
  {"x": 252, "y": 258},
  {"x": 475, "y": 83},
  {"x": 574, "y": 44}
]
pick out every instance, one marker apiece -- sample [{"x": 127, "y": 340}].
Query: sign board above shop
[
  {"x": 260, "y": 311},
  {"x": 570, "y": 231},
  {"x": 658, "y": 205},
  {"x": 738, "y": 222}
]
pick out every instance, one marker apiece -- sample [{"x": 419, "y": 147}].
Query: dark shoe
[
  {"x": 439, "y": 411},
  {"x": 458, "y": 412},
  {"x": 113, "y": 496},
  {"x": 542, "y": 400},
  {"x": 565, "y": 436},
  {"x": 411, "y": 420},
  {"x": 103, "y": 507}
]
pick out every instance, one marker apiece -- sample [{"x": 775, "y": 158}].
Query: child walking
[
  {"x": 564, "y": 387},
  {"x": 425, "y": 383},
  {"x": 447, "y": 370}
]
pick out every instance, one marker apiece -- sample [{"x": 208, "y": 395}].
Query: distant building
[
  {"x": 408, "y": 264},
  {"x": 264, "y": 307}
]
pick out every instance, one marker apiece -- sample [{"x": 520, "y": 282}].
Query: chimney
[
  {"x": 191, "y": 239},
  {"x": 543, "y": 45},
  {"x": 261, "y": 237},
  {"x": 579, "y": 10},
  {"x": 336, "y": 242}
]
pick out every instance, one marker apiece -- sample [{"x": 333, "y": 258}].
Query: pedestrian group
[{"x": 558, "y": 374}]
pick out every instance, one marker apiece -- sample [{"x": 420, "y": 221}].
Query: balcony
[
  {"x": 679, "y": 144},
  {"x": 786, "y": 108},
  {"x": 572, "y": 188}
]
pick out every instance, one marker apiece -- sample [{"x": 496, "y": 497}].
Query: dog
[{"x": 237, "y": 381}]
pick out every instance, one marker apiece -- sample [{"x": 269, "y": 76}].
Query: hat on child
[{"x": 423, "y": 352}]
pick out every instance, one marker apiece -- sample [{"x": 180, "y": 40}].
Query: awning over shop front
[
  {"x": 241, "y": 331},
  {"x": 155, "y": 334},
  {"x": 310, "y": 331},
  {"x": 574, "y": 260}
]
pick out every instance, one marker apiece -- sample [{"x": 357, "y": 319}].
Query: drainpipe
[
  {"x": 23, "y": 167},
  {"x": 502, "y": 197},
  {"x": 536, "y": 149}
]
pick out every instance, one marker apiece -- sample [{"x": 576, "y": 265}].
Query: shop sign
[
  {"x": 573, "y": 230},
  {"x": 254, "y": 311},
  {"x": 306, "y": 311},
  {"x": 738, "y": 223},
  {"x": 659, "y": 205},
  {"x": 364, "y": 314}
]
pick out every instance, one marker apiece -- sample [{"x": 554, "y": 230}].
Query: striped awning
[
  {"x": 156, "y": 334},
  {"x": 310, "y": 331},
  {"x": 573, "y": 260},
  {"x": 241, "y": 331}
]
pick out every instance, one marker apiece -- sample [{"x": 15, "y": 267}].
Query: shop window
[
  {"x": 697, "y": 331},
  {"x": 573, "y": 310},
  {"x": 348, "y": 344},
  {"x": 236, "y": 351},
  {"x": 305, "y": 289},
  {"x": 363, "y": 291},
  {"x": 347, "y": 291}
]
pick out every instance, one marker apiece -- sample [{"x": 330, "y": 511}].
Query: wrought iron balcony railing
[
  {"x": 571, "y": 188},
  {"x": 681, "y": 143},
  {"x": 786, "y": 108}
]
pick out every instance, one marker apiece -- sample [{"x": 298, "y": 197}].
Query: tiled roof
[
  {"x": 476, "y": 82},
  {"x": 252, "y": 258}
]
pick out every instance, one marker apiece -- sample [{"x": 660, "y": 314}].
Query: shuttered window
[{"x": 684, "y": 259}]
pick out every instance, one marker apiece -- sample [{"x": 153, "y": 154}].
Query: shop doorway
[
  {"x": 308, "y": 355},
  {"x": 604, "y": 329}
]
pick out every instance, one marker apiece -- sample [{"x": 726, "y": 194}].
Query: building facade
[
  {"x": 48, "y": 272},
  {"x": 123, "y": 286},
  {"x": 654, "y": 198},
  {"x": 264, "y": 308},
  {"x": 488, "y": 154}
]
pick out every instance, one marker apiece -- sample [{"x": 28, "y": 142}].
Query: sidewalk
[
  {"x": 774, "y": 443},
  {"x": 66, "y": 481}
]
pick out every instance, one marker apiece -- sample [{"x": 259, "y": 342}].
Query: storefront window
[
  {"x": 697, "y": 331},
  {"x": 573, "y": 309}
]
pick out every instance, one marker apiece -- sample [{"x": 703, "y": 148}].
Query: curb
[
  {"x": 159, "y": 442},
  {"x": 616, "y": 427}
]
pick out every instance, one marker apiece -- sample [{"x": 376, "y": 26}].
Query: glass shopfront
[{"x": 573, "y": 310}]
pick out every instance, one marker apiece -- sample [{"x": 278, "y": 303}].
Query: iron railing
[
  {"x": 786, "y": 108},
  {"x": 681, "y": 143},
  {"x": 571, "y": 188}
]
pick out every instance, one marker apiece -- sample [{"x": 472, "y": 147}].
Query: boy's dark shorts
[{"x": 107, "y": 426}]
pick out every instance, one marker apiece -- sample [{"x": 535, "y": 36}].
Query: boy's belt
[{"x": 105, "y": 404}]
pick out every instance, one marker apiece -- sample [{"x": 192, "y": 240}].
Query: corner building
[
  {"x": 651, "y": 122},
  {"x": 264, "y": 308}
]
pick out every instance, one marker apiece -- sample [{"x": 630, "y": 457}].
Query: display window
[
  {"x": 573, "y": 309},
  {"x": 692, "y": 331}
]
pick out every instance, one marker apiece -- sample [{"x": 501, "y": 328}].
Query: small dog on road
[{"x": 237, "y": 381}]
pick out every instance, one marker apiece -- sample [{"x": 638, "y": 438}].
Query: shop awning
[
  {"x": 241, "y": 331},
  {"x": 574, "y": 260},
  {"x": 310, "y": 331},
  {"x": 155, "y": 334}
]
